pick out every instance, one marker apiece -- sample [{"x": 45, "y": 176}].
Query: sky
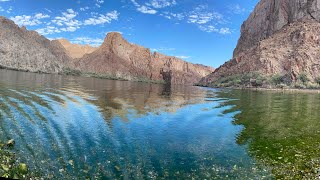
[{"x": 199, "y": 31}]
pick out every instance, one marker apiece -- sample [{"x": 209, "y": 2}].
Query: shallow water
[{"x": 75, "y": 127}]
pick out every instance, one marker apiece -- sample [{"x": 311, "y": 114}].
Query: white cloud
[
  {"x": 175, "y": 16},
  {"x": 4, "y": 0},
  {"x": 48, "y": 30},
  {"x": 146, "y": 10},
  {"x": 67, "y": 21},
  {"x": 41, "y": 16},
  {"x": 211, "y": 29},
  {"x": 9, "y": 10},
  {"x": 225, "y": 31},
  {"x": 143, "y": 9},
  {"x": 183, "y": 57},
  {"x": 86, "y": 40},
  {"x": 236, "y": 9},
  {"x": 201, "y": 15},
  {"x": 99, "y": 3},
  {"x": 1, "y": 9},
  {"x": 25, "y": 20},
  {"x": 158, "y": 4},
  {"x": 162, "y": 49},
  {"x": 102, "y": 19},
  {"x": 84, "y": 8}
]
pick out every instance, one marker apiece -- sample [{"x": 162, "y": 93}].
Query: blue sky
[{"x": 199, "y": 31}]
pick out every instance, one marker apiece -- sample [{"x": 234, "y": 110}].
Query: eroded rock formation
[
  {"x": 25, "y": 50},
  {"x": 279, "y": 37},
  {"x": 117, "y": 57}
]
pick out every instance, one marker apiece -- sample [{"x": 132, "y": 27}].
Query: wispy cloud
[
  {"x": 151, "y": 6},
  {"x": 87, "y": 40},
  {"x": 84, "y": 8},
  {"x": 99, "y": 3},
  {"x": 162, "y": 49},
  {"x": 211, "y": 28},
  {"x": 67, "y": 22},
  {"x": 143, "y": 9},
  {"x": 102, "y": 19},
  {"x": 25, "y": 20},
  {"x": 236, "y": 9},
  {"x": 201, "y": 15},
  {"x": 184, "y": 57},
  {"x": 158, "y": 4},
  {"x": 48, "y": 30}
]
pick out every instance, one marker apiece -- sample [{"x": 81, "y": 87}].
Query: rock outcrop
[
  {"x": 76, "y": 50},
  {"x": 25, "y": 50},
  {"x": 280, "y": 37},
  {"x": 119, "y": 58}
]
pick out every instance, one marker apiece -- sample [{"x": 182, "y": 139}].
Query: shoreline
[
  {"x": 267, "y": 89},
  {"x": 108, "y": 77}
]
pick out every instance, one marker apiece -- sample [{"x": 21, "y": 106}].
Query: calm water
[{"x": 74, "y": 127}]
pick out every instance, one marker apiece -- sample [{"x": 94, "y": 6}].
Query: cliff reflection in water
[
  {"x": 111, "y": 97},
  {"x": 71, "y": 127},
  {"x": 282, "y": 130}
]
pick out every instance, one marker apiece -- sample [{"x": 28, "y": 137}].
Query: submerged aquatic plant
[{"x": 10, "y": 167}]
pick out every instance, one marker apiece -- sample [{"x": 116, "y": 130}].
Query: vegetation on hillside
[{"x": 257, "y": 80}]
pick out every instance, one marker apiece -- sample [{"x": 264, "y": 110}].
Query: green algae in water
[{"x": 282, "y": 130}]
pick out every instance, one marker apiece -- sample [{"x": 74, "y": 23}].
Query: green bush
[
  {"x": 312, "y": 86},
  {"x": 317, "y": 80},
  {"x": 276, "y": 79},
  {"x": 282, "y": 86},
  {"x": 299, "y": 86},
  {"x": 303, "y": 78}
]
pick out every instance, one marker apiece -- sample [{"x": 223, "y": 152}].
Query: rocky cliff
[
  {"x": 25, "y": 50},
  {"x": 279, "y": 37},
  {"x": 76, "y": 50},
  {"x": 119, "y": 58}
]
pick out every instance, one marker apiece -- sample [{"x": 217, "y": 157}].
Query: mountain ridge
[
  {"x": 116, "y": 58},
  {"x": 134, "y": 62},
  {"x": 280, "y": 39}
]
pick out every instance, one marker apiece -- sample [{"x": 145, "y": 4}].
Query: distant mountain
[
  {"x": 76, "y": 50},
  {"x": 118, "y": 58},
  {"x": 280, "y": 38},
  {"x": 25, "y": 50}
]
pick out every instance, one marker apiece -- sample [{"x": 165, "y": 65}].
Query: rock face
[
  {"x": 76, "y": 50},
  {"x": 119, "y": 58},
  {"x": 25, "y": 50},
  {"x": 279, "y": 37}
]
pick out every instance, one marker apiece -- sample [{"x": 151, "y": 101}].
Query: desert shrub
[
  {"x": 303, "y": 78},
  {"x": 317, "y": 80},
  {"x": 312, "y": 86},
  {"x": 299, "y": 86},
  {"x": 71, "y": 72},
  {"x": 282, "y": 86},
  {"x": 276, "y": 79}
]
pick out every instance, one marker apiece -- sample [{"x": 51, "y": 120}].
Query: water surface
[{"x": 75, "y": 127}]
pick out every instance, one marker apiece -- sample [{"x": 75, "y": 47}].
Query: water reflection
[
  {"x": 75, "y": 127},
  {"x": 282, "y": 130}
]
